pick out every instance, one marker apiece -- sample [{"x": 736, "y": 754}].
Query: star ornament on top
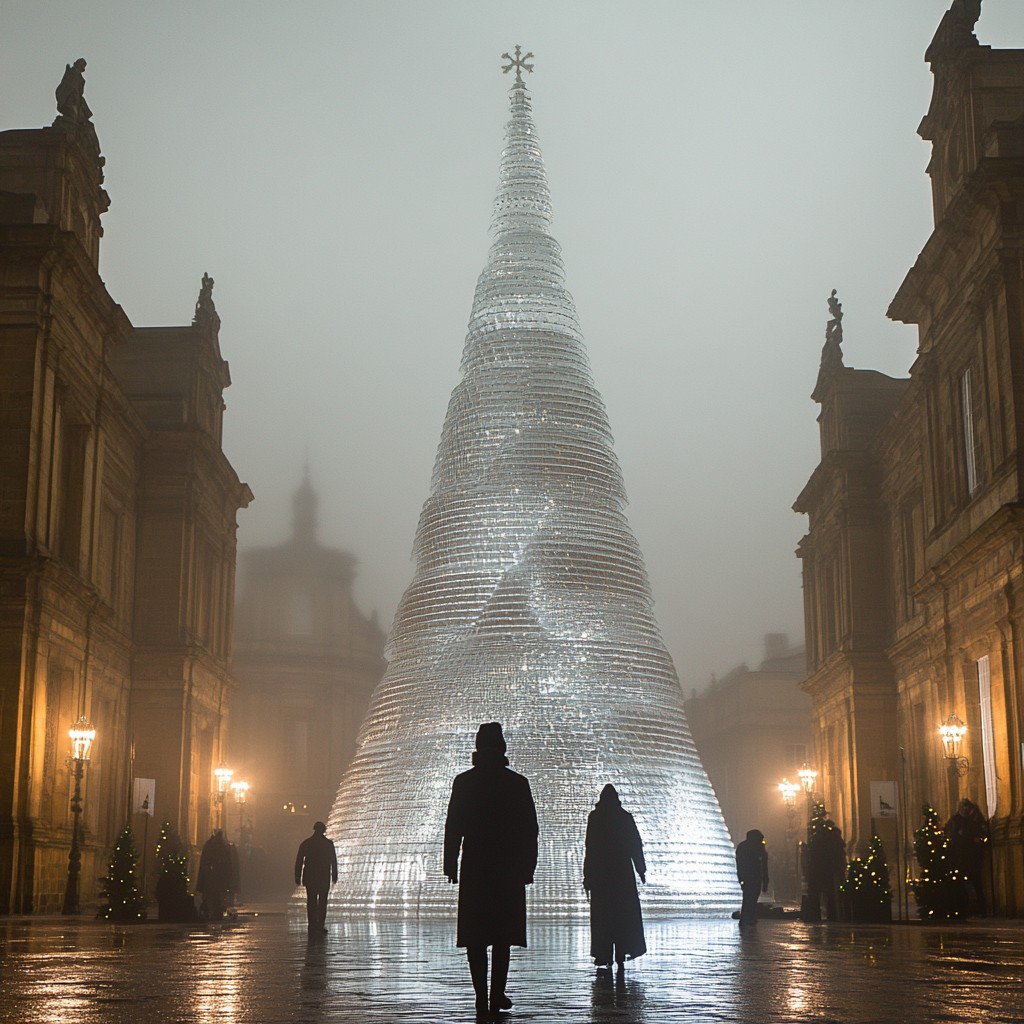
[{"x": 518, "y": 62}]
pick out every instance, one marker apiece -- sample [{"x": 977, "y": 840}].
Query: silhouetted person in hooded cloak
[
  {"x": 217, "y": 876},
  {"x": 613, "y": 850},
  {"x": 491, "y": 818},
  {"x": 752, "y": 872}
]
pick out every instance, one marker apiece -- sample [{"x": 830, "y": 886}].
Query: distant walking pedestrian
[
  {"x": 969, "y": 833},
  {"x": 613, "y": 849},
  {"x": 316, "y": 867},
  {"x": 826, "y": 866},
  {"x": 492, "y": 820},
  {"x": 217, "y": 876},
  {"x": 752, "y": 871}
]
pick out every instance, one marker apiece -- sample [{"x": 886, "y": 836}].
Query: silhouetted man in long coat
[
  {"x": 316, "y": 867},
  {"x": 613, "y": 850},
  {"x": 752, "y": 871},
  {"x": 491, "y": 818}
]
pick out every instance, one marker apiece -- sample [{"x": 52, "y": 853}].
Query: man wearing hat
[
  {"x": 316, "y": 867},
  {"x": 492, "y": 820}
]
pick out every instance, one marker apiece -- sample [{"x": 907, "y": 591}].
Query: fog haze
[{"x": 716, "y": 170}]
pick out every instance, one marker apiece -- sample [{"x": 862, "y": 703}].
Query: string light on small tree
[
  {"x": 939, "y": 888},
  {"x": 118, "y": 888},
  {"x": 866, "y": 888}
]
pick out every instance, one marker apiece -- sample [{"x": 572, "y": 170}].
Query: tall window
[
  {"x": 967, "y": 423},
  {"x": 988, "y": 745}
]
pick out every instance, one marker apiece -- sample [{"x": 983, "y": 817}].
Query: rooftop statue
[
  {"x": 70, "y": 94},
  {"x": 834, "y": 328},
  {"x": 955, "y": 31},
  {"x": 831, "y": 351},
  {"x": 206, "y": 312}
]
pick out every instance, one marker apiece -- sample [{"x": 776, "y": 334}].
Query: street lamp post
[
  {"x": 81, "y": 734},
  {"x": 223, "y": 776},
  {"x": 952, "y": 733},
  {"x": 789, "y": 790},
  {"x": 807, "y": 777},
  {"x": 240, "y": 789}
]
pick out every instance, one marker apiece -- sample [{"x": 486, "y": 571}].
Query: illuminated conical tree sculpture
[{"x": 530, "y": 605}]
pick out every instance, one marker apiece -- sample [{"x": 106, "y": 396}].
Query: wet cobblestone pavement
[{"x": 263, "y": 968}]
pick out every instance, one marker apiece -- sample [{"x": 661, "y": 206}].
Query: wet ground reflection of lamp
[
  {"x": 81, "y": 734},
  {"x": 223, "y": 776}
]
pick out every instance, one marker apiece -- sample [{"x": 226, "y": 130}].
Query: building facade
[
  {"x": 307, "y": 661},
  {"x": 912, "y": 563},
  {"x": 117, "y": 529},
  {"x": 751, "y": 728}
]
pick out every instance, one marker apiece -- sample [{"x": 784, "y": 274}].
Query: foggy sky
[{"x": 715, "y": 168}]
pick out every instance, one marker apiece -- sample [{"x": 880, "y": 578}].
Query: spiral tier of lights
[{"x": 530, "y": 605}]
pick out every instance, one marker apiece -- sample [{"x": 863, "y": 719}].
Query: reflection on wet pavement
[{"x": 263, "y": 968}]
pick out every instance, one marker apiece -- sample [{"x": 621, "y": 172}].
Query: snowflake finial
[{"x": 518, "y": 62}]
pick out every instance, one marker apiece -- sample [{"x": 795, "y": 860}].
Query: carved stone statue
[
  {"x": 70, "y": 94},
  {"x": 206, "y": 312},
  {"x": 955, "y": 31},
  {"x": 834, "y": 328},
  {"x": 831, "y": 351}
]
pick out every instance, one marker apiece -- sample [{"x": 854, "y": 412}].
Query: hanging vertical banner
[
  {"x": 883, "y": 800},
  {"x": 143, "y": 793}
]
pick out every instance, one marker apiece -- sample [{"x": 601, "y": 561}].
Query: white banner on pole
[
  {"x": 143, "y": 793},
  {"x": 883, "y": 800}
]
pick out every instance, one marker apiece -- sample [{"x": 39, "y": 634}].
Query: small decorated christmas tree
[
  {"x": 866, "y": 891},
  {"x": 939, "y": 888},
  {"x": 118, "y": 887},
  {"x": 173, "y": 898}
]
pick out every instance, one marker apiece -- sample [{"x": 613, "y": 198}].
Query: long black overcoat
[
  {"x": 492, "y": 819},
  {"x": 613, "y": 849}
]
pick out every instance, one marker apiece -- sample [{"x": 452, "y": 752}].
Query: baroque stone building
[
  {"x": 752, "y": 730},
  {"x": 912, "y": 563},
  {"x": 307, "y": 661},
  {"x": 117, "y": 528}
]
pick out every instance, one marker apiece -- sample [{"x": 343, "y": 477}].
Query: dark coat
[
  {"x": 491, "y": 818},
  {"x": 613, "y": 849},
  {"x": 752, "y": 862},
  {"x": 968, "y": 833},
  {"x": 218, "y": 872},
  {"x": 316, "y": 864},
  {"x": 826, "y": 857}
]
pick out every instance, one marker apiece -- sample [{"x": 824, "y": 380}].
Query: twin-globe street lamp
[
  {"x": 81, "y": 734},
  {"x": 239, "y": 789},
  {"x": 789, "y": 790}
]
